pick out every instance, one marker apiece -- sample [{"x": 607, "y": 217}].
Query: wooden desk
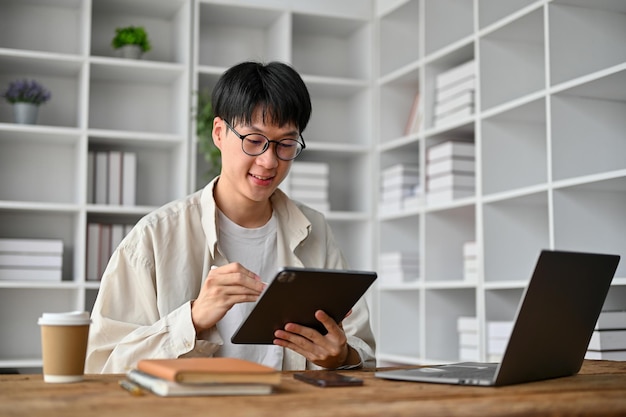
[{"x": 599, "y": 390}]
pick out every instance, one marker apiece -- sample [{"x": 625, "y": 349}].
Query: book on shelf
[
  {"x": 31, "y": 259},
  {"x": 608, "y": 340},
  {"x": 208, "y": 370},
  {"x": 450, "y": 166},
  {"x": 454, "y": 116},
  {"x": 607, "y": 355},
  {"x": 446, "y": 195},
  {"x": 17, "y": 245},
  {"x": 166, "y": 388},
  {"x": 414, "y": 120},
  {"x": 444, "y": 94},
  {"x": 112, "y": 177},
  {"x": 451, "y": 180},
  {"x": 454, "y": 103},
  {"x": 611, "y": 320},
  {"x": 455, "y": 75},
  {"x": 102, "y": 240},
  {"x": 451, "y": 149}
]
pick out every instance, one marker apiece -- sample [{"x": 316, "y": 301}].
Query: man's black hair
[{"x": 275, "y": 89}]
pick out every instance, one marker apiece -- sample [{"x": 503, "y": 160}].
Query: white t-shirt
[{"x": 255, "y": 249}]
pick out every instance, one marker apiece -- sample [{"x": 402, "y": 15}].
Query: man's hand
[
  {"x": 223, "y": 288},
  {"x": 328, "y": 351}
]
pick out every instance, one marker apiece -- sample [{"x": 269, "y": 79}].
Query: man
[{"x": 187, "y": 274}]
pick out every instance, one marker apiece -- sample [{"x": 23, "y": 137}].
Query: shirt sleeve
[{"x": 129, "y": 324}]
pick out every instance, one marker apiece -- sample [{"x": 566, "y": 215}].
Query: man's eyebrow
[{"x": 259, "y": 130}]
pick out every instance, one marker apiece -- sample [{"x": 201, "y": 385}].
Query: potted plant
[
  {"x": 132, "y": 41},
  {"x": 204, "y": 132},
  {"x": 26, "y": 96}
]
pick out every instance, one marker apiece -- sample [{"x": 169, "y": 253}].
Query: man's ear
[{"x": 218, "y": 132}]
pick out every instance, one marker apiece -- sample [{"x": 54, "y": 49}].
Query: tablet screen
[{"x": 293, "y": 297}]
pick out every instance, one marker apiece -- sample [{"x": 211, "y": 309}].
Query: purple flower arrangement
[{"x": 25, "y": 91}]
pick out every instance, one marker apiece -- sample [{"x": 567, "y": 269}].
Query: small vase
[
  {"x": 131, "y": 51},
  {"x": 25, "y": 113}
]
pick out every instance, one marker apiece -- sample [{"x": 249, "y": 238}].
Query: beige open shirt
[{"x": 143, "y": 308}]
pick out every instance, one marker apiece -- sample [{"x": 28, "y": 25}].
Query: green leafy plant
[
  {"x": 204, "y": 129},
  {"x": 131, "y": 35}
]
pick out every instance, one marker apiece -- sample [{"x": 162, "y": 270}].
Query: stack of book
[
  {"x": 400, "y": 188},
  {"x": 31, "y": 259},
  {"x": 112, "y": 177},
  {"x": 467, "y": 328},
  {"x": 498, "y": 334},
  {"x": 398, "y": 267},
  {"x": 470, "y": 261},
  {"x": 609, "y": 337},
  {"x": 204, "y": 376},
  {"x": 450, "y": 172},
  {"x": 307, "y": 182},
  {"x": 454, "y": 93},
  {"x": 102, "y": 240}
]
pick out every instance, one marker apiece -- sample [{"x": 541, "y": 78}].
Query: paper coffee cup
[{"x": 64, "y": 345}]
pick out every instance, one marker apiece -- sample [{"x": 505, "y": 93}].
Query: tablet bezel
[{"x": 295, "y": 294}]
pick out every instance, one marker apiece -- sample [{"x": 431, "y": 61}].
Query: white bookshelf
[
  {"x": 548, "y": 129},
  {"x": 103, "y": 102},
  {"x": 550, "y": 169}
]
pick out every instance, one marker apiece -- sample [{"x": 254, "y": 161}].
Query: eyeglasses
[{"x": 255, "y": 144}]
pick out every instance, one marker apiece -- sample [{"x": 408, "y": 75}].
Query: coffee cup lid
[{"x": 72, "y": 318}]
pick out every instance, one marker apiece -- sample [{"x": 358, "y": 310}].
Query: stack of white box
[
  {"x": 307, "y": 183},
  {"x": 468, "y": 339},
  {"x": 400, "y": 188},
  {"x": 454, "y": 92},
  {"x": 398, "y": 267},
  {"x": 608, "y": 341},
  {"x": 470, "y": 261},
  {"x": 31, "y": 259},
  {"x": 450, "y": 168},
  {"x": 498, "y": 334}
]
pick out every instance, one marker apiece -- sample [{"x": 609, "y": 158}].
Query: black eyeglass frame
[{"x": 268, "y": 141}]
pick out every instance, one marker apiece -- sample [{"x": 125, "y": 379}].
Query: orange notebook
[{"x": 210, "y": 370}]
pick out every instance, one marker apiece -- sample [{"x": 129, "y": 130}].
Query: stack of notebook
[{"x": 204, "y": 376}]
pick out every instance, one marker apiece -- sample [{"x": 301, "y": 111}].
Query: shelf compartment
[
  {"x": 590, "y": 218},
  {"x": 345, "y": 108},
  {"x": 331, "y": 46},
  {"x": 433, "y": 68},
  {"x": 348, "y": 190},
  {"x": 138, "y": 98},
  {"x": 491, "y": 11},
  {"x": 22, "y": 337},
  {"x": 446, "y": 231},
  {"x": 46, "y": 169},
  {"x": 354, "y": 238},
  {"x": 443, "y": 308},
  {"x": 227, "y": 35},
  {"x": 502, "y": 304},
  {"x": 27, "y": 25},
  {"x": 512, "y": 61},
  {"x": 22, "y": 224},
  {"x": 160, "y": 176},
  {"x": 396, "y": 105},
  {"x": 400, "y": 307},
  {"x": 577, "y": 30},
  {"x": 588, "y": 127},
  {"x": 165, "y": 21},
  {"x": 399, "y": 37},
  {"x": 515, "y": 231},
  {"x": 514, "y": 148},
  {"x": 446, "y": 22},
  {"x": 60, "y": 76}
]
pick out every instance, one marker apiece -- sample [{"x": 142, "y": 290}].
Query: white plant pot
[
  {"x": 131, "y": 51},
  {"x": 25, "y": 113}
]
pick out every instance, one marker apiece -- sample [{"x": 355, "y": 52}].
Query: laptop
[{"x": 553, "y": 326}]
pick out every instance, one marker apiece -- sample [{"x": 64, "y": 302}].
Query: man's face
[{"x": 252, "y": 178}]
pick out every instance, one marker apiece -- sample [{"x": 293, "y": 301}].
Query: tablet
[{"x": 295, "y": 295}]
